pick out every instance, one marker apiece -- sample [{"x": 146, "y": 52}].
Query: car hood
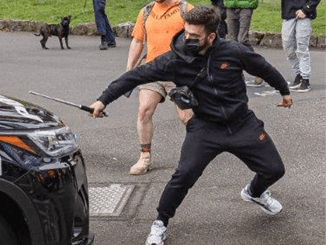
[{"x": 18, "y": 114}]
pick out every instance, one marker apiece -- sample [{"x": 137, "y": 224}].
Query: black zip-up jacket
[
  {"x": 221, "y": 94},
  {"x": 289, "y": 7}
]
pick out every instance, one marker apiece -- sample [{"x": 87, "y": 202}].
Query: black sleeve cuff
[
  {"x": 104, "y": 99},
  {"x": 285, "y": 93}
]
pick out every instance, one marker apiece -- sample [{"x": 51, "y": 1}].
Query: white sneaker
[
  {"x": 267, "y": 203},
  {"x": 157, "y": 234}
]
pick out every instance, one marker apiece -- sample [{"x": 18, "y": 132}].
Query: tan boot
[
  {"x": 258, "y": 80},
  {"x": 142, "y": 166}
]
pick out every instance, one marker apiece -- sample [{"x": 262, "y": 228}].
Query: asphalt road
[{"x": 213, "y": 213}]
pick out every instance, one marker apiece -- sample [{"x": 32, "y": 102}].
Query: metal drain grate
[{"x": 109, "y": 200}]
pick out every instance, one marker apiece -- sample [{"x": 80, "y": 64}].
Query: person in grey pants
[
  {"x": 238, "y": 20},
  {"x": 296, "y": 31}
]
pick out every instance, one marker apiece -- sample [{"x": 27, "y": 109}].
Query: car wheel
[{"x": 7, "y": 236}]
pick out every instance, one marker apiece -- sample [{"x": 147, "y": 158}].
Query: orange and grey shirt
[{"x": 162, "y": 23}]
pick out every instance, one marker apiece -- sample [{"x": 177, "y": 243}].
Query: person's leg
[
  {"x": 101, "y": 22},
  {"x": 290, "y": 47},
  {"x": 110, "y": 38},
  {"x": 148, "y": 101},
  {"x": 199, "y": 148},
  {"x": 244, "y": 21},
  {"x": 222, "y": 29},
  {"x": 99, "y": 7},
  {"x": 232, "y": 20},
  {"x": 257, "y": 150},
  {"x": 303, "y": 33},
  {"x": 243, "y": 37}
]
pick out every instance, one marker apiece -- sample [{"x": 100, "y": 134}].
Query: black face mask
[{"x": 192, "y": 47}]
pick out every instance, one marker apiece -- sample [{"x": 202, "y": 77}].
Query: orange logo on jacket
[
  {"x": 224, "y": 65},
  {"x": 262, "y": 136}
]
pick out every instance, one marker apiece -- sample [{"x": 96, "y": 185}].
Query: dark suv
[{"x": 43, "y": 184}]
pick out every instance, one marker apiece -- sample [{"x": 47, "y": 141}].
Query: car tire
[{"x": 7, "y": 236}]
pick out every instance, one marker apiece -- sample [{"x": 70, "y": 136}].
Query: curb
[{"x": 124, "y": 30}]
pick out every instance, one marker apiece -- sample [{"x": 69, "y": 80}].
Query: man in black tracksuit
[{"x": 221, "y": 122}]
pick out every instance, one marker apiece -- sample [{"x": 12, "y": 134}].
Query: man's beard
[{"x": 205, "y": 44}]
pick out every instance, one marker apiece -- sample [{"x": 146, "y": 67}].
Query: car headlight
[{"x": 54, "y": 142}]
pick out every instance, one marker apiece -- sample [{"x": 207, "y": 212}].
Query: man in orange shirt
[{"x": 156, "y": 25}]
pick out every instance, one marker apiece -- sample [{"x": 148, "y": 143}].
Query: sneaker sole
[
  {"x": 161, "y": 243},
  {"x": 295, "y": 87},
  {"x": 269, "y": 212},
  {"x": 304, "y": 90},
  {"x": 254, "y": 85}
]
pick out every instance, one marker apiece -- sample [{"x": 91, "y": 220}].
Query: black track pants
[{"x": 204, "y": 142}]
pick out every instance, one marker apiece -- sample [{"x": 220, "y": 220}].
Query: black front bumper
[{"x": 60, "y": 198}]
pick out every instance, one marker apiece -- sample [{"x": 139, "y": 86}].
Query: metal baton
[{"x": 82, "y": 107}]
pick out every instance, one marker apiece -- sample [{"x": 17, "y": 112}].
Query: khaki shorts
[{"x": 163, "y": 88}]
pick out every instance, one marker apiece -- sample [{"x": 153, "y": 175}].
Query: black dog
[{"x": 60, "y": 30}]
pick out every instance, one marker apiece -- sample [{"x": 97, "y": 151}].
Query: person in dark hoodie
[
  {"x": 296, "y": 31},
  {"x": 212, "y": 68}
]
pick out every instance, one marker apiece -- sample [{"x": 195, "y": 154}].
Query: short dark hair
[{"x": 203, "y": 15}]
